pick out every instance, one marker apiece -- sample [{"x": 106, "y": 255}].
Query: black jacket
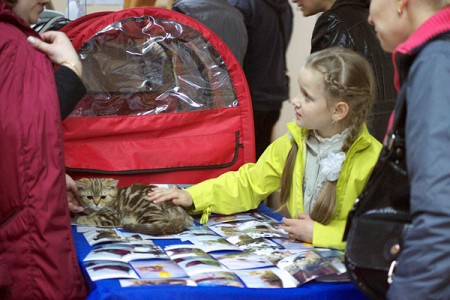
[
  {"x": 269, "y": 27},
  {"x": 70, "y": 90},
  {"x": 345, "y": 24}
]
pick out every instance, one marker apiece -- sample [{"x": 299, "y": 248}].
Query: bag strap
[
  {"x": 395, "y": 140},
  {"x": 398, "y": 125}
]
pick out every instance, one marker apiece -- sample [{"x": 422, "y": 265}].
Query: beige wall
[{"x": 298, "y": 50}]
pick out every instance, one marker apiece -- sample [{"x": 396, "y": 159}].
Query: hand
[
  {"x": 178, "y": 197},
  {"x": 300, "y": 229},
  {"x": 59, "y": 49},
  {"x": 72, "y": 191}
]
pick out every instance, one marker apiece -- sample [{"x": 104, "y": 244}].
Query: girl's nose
[{"x": 295, "y": 101}]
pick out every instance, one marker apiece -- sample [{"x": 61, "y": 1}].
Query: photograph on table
[
  {"x": 266, "y": 278},
  {"x": 259, "y": 229},
  {"x": 212, "y": 243},
  {"x": 227, "y": 229},
  {"x": 306, "y": 266},
  {"x": 242, "y": 260},
  {"x": 182, "y": 251},
  {"x": 158, "y": 269},
  {"x": 274, "y": 255},
  {"x": 245, "y": 242},
  {"x": 99, "y": 270},
  {"x": 103, "y": 235},
  {"x": 125, "y": 252},
  {"x": 221, "y": 278},
  {"x": 169, "y": 281},
  {"x": 200, "y": 265}
]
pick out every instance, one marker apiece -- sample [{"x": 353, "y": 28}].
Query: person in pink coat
[{"x": 37, "y": 255}]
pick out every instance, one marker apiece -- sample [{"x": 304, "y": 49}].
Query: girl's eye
[{"x": 307, "y": 97}]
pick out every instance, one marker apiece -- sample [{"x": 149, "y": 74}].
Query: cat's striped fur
[{"x": 127, "y": 207}]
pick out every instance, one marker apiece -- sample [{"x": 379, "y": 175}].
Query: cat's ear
[
  {"x": 111, "y": 182},
  {"x": 83, "y": 183}
]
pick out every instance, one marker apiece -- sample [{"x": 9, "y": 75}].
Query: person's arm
[
  {"x": 72, "y": 191},
  {"x": 245, "y": 188},
  {"x": 70, "y": 90},
  {"x": 234, "y": 191}
]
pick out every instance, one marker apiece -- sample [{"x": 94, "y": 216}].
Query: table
[{"x": 111, "y": 289}]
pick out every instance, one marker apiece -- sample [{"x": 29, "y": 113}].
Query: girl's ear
[{"x": 340, "y": 111}]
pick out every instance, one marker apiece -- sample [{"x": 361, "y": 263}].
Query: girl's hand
[
  {"x": 300, "y": 229},
  {"x": 177, "y": 196}
]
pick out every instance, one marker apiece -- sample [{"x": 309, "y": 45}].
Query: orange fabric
[{"x": 136, "y": 3}]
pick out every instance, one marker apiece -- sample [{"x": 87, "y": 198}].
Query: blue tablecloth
[{"x": 111, "y": 289}]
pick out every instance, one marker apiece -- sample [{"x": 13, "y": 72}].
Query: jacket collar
[
  {"x": 431, "y": 28},
  {"x": 363, "y": 140},
  {"x": 362, "y": 3}
]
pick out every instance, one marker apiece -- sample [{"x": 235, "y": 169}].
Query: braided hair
[{"x": 348, "y": 77}]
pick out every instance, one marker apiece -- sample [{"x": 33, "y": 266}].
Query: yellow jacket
[{"x": 245, "y": 188}]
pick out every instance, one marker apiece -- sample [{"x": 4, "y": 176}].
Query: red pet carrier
[{"x": 167, "y": 101}]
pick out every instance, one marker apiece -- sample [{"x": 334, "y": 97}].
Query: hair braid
[{"x": 348, "y": 77}]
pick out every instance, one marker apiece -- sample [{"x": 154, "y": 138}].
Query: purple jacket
[{"x": 37, "y": 256}]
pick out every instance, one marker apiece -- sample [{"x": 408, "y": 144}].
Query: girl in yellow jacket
[{"x": 321, "y": 165}]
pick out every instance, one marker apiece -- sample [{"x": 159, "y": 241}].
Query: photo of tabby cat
[{"x": 127, "y": 207}]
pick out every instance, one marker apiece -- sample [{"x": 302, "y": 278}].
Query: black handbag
[{"x": 380, "y": 216}]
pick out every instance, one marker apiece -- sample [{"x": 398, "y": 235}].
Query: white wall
[{"x": 298, "y": 50}]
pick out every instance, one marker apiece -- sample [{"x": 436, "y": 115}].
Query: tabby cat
[{"x": 127, "y": 207}]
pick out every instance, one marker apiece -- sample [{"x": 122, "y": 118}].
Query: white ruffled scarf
[{"x": 324, "y": 160}]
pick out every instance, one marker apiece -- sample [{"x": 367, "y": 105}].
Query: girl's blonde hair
[{"x": 348, "y": 77}]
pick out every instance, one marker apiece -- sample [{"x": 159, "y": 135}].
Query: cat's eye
[
  {"x": 102, "y": 197},
  {"x": 90, "y": 197}
]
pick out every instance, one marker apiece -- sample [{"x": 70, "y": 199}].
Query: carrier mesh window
[{"x": 147, "y": 65}]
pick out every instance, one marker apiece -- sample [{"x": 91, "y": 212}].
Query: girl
[{"x": 321, "y": 165}]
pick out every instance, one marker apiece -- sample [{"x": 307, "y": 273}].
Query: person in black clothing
[
  {"x": 269, "y": 28},
  {"x": 344, "y": 23},
  {"x": 222, "y": 18}
]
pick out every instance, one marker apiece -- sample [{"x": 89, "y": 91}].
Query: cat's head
[{"x": 96, "y": 193}]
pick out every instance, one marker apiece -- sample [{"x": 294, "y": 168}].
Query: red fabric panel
[
  {"x": 156, "y": 143},
  {"x": 164, "y": 141},
  {"x": 178, "y": 177},
  {"x": 89, "y": 25}
]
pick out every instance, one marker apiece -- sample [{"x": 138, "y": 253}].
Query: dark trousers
[{"x": 264, "y": 123}]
